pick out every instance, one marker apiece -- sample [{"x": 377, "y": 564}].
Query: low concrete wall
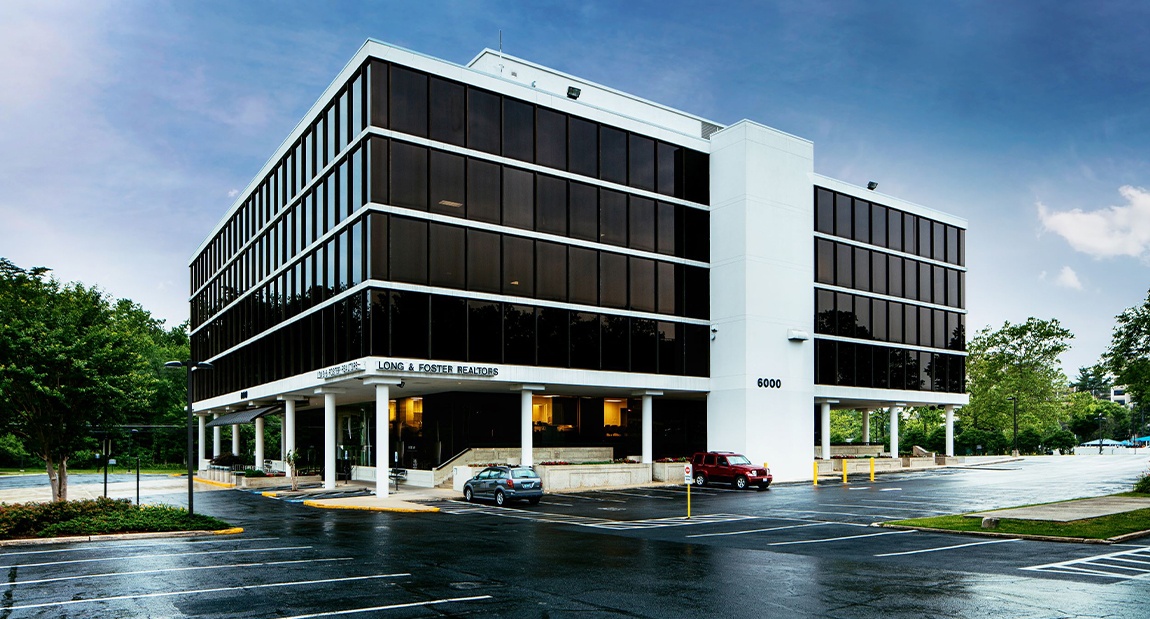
[
  {"x": 243, "y": 481},
  {"x": 917, "y": 463},
  {"x": 862, "y": 465},
  {"x": 854, "y": 450},
  {"x": 948, "y": 460},
  {"x": 559, "y": 477},
  {"x": 668, "y": 471}
]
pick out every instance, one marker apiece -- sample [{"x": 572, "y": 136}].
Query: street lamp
[
  {"x": 1100, "y": 418},
  {"x": 189, "y": 366},
  {"x": 1015, "y": 400}
]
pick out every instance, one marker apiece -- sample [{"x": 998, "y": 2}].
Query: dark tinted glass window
[
  {"x": 894, "y": 322},
  {"x": 518, "y": 130},
  {"x": 483, "y": 121},
  {"x": 878, "y": 272},
  {"x": 670, "y": 164},
  {"x": 696, "y": 176},
  {"x": 550, "y": 271},
  {"x": 952, "y": 244},
  {"x": 924, "y": 237},
  {"x": 670, "y": 347},
  {"x": 483, "y": 191},
  {"x": 518, "y": 198},
  {"x": 844, "y": 269},
  {"x": 446, "y": 256},
  {"x": 910, "y": 279},
  {"x": 408, "y": 175},
  {"x": 878, "y": 219},
  {"x": 938, "y": 278},
  {"x": 962, "y": 248},
  {"x": 483, "y": 261},
  {"x": 409, "y": 324},
  {"x": 952, "y": 287},
  {"x": 939, "y": 338},
  {"x": 825, "y": 363},
  {"x": 612, "y": 217},
  {"x": 862, "y": 221},
  {"x": 584, "y": 206},
  {"x": 408, "y": 250},
  {"x": 925, "y": 329},
  {"x": 863, "y": 366},
  {"x": 551, "y": 139},
  {"x": 448, "y": 103},
  {"x": 408, "y": 101},
  {"x": 845, "y": 315},
  {"x": 894, "y": 229},
  {"x": 665, "y": 228},
  {"x": 379, "y": 326},
  {"x": 551, "y": 327},
  {"x": 644, "y": 346},
  {"x": 878, "y": 319},
  {"x": 447, "y": 184},
  {"x": 843, "y": 211},
  {"x": 824, "y": 211},
  {"x": 910, "y": 324},
  {"x": 696, "y": 234},
  {"x": 484, "y": 332},
  {"x": 518, "y": 266},
  {"x": 583, "y": 275},
  {"x": 377, "y": 181},
  {"x": 584, "y": 340},
  {"x": 938, "y": 247},
  {"x": 642, "y": 228},
  {"x": 641, "y": 162},
  {"x": 613, "y": 155},
  {"x": 519, "y": 335},
  {"x": 697, "y": 349},
  {"x": 666, "y": 289},
  {"x": 846, "y": 363},
  {"x": 862, "y": 318},
  {"x": 894, "y": 282},
  {"x": 925, "y": 290},
  {"x": 377, "y": 246},
  {"x": 696, "y": 292},
  {"x": 862, "y": 269},
  {"x": 378, "y": 104},
  {"x": 616, "y": 338},
  {"x": 880, "y": 358},
  {"x": 824, "y": 261},
  {"x": 448, "y": 328},
  {"x": 584, "y": 147},
  {"x": 642, "y": 284},
  {"x": 909, "y": 228},
  {"x": 551, "y": 204},
  {"x": 613, "y": 280},
  {"x": 825, "y": 312}
]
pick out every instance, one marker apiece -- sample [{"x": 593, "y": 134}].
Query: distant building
[
  {"x": 1118, "y": 395},
  {"x": 504, "y": 255}
]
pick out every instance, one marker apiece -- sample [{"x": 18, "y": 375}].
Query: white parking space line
[
  {"x": 674, "y": 521},
  {"x": 940, "y": 548},
  {"x": 811, "y": 511},
  {"x": 636, "y": 494},
  {"x": 140, "y": 596},
  {"x": 1103, "y": 565},
  {"x": 41, "y": 581},
  {"x": 556, "y": 504},
  {"x": 153, "y": 556},
  {"x": 590, "y": 498},
  {"x": 900, "y": 509},
  {"x": 334, "y": 613},
  {"x": 838, "y": 539},
  {"x": 789, "y": 526},
  {"x": 107, "y": 545}
]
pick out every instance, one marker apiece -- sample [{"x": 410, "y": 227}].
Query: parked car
[
  {"x": 729, "y": 467},
  {"x": 504, "y": 483}
]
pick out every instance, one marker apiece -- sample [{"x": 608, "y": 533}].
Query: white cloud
[
  {"x": 1108, "y": 232},
  {"x": 1067, "y": 278}
]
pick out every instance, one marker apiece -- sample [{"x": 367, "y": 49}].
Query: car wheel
[
  {"x": 534, "y": 501},
  {"x": 500, "y": 498},
  {"x": 700, "y": 479},
  {"x": 741, "y": 482},
  {"x": 467, "y": 495}
]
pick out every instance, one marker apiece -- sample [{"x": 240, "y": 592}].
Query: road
[{"x": 792, "y": 551}]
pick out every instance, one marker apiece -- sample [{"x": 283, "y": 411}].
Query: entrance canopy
[{"x": 245, "y": 416}]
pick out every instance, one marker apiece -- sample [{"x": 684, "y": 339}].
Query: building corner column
[
  {"x": 825, "y": 429},
  {"x": 288, "y": 430},
  {"x": 329, "y": 435},
  {"x": 215, "y": 437},
  {"x": 382, "y": 431},
  {"x": 526, "y": 425},
  {"x": 895, "y": 415},
  {"x": 866, "y": 426},
  {"x": 259, "y": 455},
  {"x": 949, "y": 430},
  {"x": 647, "y": 430},
  {"x": 235, "y": 439},
  {"x": 201, "y": 449}
]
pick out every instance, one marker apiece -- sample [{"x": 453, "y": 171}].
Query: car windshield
[
  {"x": 523, "y": 474},
  {"x": 738, "y": 460}
]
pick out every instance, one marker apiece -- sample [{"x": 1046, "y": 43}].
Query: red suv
[{"x": 729, "y": 467}]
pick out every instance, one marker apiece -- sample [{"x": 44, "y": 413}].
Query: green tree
[
  {"x": 1019, "y": 361},
  {"x": 1062, "y": 440},
  {"x": 1083, "y": 411},
  {"x": 1128, "y": 357},
  {"x": 1094, "y": 380},
  {"x": 70, "y": 362}
]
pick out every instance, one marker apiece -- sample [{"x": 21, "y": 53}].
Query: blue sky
[{"x": 126, "y": 127}]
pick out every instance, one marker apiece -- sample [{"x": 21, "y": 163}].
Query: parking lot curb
[
  {"x": 374, "y": 508},
  {"x": 1037, "y": 538},
  {"x": 43, "y": 541},
  {"x": 200, "y": 480}
]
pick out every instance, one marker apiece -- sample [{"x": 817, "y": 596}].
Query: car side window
[
  {"x": 501, "y": 474},
  {"x": 722, "y": 462},
  {"x": 710, "y": 460},
  {"x": 483, "y": 475}
]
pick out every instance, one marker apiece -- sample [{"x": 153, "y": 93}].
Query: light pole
[
  {"x": 1015, "y": 400},
  {"x": 189, "y": 366},
  {"x": 1100, "y": 418}
]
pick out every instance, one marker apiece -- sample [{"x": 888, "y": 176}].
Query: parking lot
[{"x": 794, "y": 550}]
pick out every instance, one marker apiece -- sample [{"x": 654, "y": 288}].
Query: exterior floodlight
[
  {"x": 872, "y": 185},
  {"x": 573, "y": 92}
]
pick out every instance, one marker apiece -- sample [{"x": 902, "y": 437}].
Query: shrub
[
  {"x": 1143, "y": 483},
  {"x": 95, "y": 516}
]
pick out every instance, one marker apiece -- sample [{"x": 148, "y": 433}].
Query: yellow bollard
[
  {"x": 872, "y": 469},
  {"x": 689, "y": 501},
  {"x": 816, "y": 472},
  {"x": 844, "y": 471}
]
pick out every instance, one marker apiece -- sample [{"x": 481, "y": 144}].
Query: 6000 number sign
[{"x": 770, "y": 383}]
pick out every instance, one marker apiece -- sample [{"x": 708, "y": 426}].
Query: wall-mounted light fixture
[
  {"x": 798, "y": 335},
  {"x": 714, "y": 332},
  {"x": 573, "y": 92},
  {"x": 872, "y": 185}
]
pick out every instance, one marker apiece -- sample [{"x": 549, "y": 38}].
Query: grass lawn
[
  {"x": 97, "y": 516},
  {"x": 1103, "y": 527}
]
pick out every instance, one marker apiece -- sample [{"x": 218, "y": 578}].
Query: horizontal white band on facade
[
  {"x": 855, "y": 340},
  {"x": 888, "y": 251},
  {"x": 352, "y": 374},
  {"x": 887, "y": 297},
  {"x": 451, "y": 292},
  {"x": 862, "y": 397}
]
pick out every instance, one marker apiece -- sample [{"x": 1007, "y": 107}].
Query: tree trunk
[
  {"x": 62, "y": 475},
  {"x": 53, "y": 481}
]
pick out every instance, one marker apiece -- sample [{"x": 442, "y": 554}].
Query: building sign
[
  {"x": 441, "y": 369},
  {"x": 340, "y": 370}
]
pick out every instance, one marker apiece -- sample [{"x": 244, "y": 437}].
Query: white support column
[
  {"x": 895, "y": 415},
  {"x": 866, "y": 425},
  {"x": 235, "y": 439},
  {"x": 259, "y": 442},
  {"x": 648, "y": 431},
  {"x": 215, "y": 437},
  {"x": 201, "y": 450},
  {"x": 825, "y": 429},
  {"x": 949, "y": 429},
  {"x": 382, "y": 431},
  {"x": 526, "y": 426},
  {"x": 288, "y": 430},
  {"x": 329, "y": 436}
]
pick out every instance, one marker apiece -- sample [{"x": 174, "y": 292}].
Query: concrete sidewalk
[
  {"x": 1067, "y": 511},
  {"x": 359, "y": 496}
]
